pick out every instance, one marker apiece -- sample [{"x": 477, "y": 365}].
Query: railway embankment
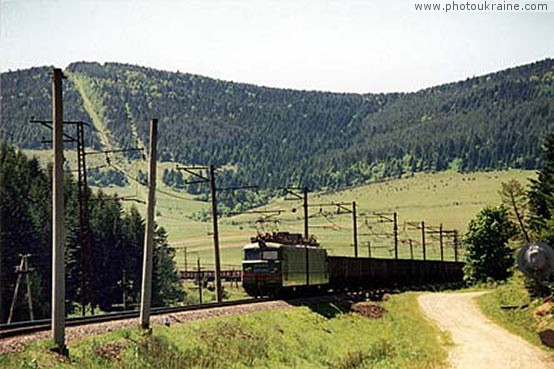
[{"x": 316, "y": 334}]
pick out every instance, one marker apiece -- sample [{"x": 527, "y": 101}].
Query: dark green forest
[
  {"x": 117, "y": 235},
  {"x": 276, "y": 137}
]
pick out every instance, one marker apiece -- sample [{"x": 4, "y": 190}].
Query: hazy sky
[{"x": 339, "y": 45}]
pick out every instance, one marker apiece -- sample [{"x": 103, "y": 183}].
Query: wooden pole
[
  {"x": 58, "y": 217},
  {"x": 305, "y": 206},
  {"x": 1, "y": 284},
  {"x": 395, "y": 230},
  {"x": 306, "y": 234},
  {"x": 200, "y": 279},
  {"x": 16, "y": 290},
  {"x": 355, "y": 228},
  {"x": 456, "y": 245},
  {"x": 186, "y": 261},
  {"x": 146, "y": 290},
  {"x": 217, "y": 276},
  {"x": 423, "y": 240},
  {"x": 441, "y": 242},
  {"x": 29, "y": 291}
]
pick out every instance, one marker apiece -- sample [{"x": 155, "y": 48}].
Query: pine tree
[
  {"x": 541, "y": 193},
  {"x": 166, "y": 284}
]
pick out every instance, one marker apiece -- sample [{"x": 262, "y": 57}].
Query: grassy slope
[
  {"x": 320, "y": 337},
  {"x": 449, "y": 198},
  {"x": 518, "y": 321}
]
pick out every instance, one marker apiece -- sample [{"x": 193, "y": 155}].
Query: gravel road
[{"x": 478, "y": 342}]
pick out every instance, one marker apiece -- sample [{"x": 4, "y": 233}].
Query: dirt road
[{"x": 479, "y": 343}]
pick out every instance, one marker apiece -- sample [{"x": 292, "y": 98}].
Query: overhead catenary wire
[{"x": 144, "y": 185}]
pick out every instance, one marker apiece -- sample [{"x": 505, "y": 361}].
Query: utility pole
[
  {"x": 411, "y": 250},
  {"x": 305, "y": 206},
  {"x": 186, "y": 262},
  {"x": 423, "y": 240},
  {"x": 382, "y": 218},
  {"x": 200, "y": 178},
  {"x": 395, "y": 231},
  {"x": 217, "y": 277},
  {"x": 368, "y": 249},
  {"x": 84, "y": 223},
  {"x": 58, "y": 236},
  {"x": 146, "y": 290},
  {"x": 355, "y": 228},
  {"x": 441, "y": 242},
  {"x": 124, "y": 286},
  {"x": 200, "y": 279},
  {"x": 306, "y": 233},
  {"x": 23, "y": 269},
  {"x": 85, "y": 243},
  {"x": 455, "y": 245},
  {"x": 1, "y": 288}
]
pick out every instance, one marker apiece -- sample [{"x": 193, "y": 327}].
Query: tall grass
[
  {"x": 517, "y": 314},
  {"x": 304, "y": 337}
]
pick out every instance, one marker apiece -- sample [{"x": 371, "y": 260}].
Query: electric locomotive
[{"x": 281, "y": 261}]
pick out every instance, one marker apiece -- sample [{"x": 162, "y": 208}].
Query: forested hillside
[
  {"x": 117, "y": 236},
  {"x": 275, "y": 137}
]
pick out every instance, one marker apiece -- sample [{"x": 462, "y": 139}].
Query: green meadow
[{"x": 448, "y": 198}]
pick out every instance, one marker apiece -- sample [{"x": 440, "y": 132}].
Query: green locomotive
[{"x": 278, "y": 262}]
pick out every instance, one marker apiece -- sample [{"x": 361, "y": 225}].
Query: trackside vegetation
[
  {"x": 511, "y": 306},
  {"x": 522, "y": 305},
  {"x": 116, "y": 233},
  {"x": 320, "y": 336}
]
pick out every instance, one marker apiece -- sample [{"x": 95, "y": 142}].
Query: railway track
[{"x": 28, "y": 327}]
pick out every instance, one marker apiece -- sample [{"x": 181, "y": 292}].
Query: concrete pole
[
  {"x": 355, "y": 228},
  {"x": 306, "y": 234},
  {"x": 395, "y": 231},
  {"x": 441, "y": 242},
  {"x": 305, "y": 206},
  {"x": 456, "y": 245},
  {"x": 423, "y": 241},
  {"x": 217, "y": 276},
  {"x": 16, "y": 290},
  {"x": 1, "y": 286},
  {"x": 146, "y": 290},
  {"x": 29, "y": 291},
  {"x": 58, "y": 231},
  {"x": 200, "y": 279},
  {"x": 186, "y": 262}
]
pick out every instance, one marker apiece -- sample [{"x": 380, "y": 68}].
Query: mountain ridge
[{"x": 284, "y": 136}]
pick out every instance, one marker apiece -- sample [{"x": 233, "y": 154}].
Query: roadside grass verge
[
  {"x": 319, "y": 336},
  {"x": 517, "y": 314}
]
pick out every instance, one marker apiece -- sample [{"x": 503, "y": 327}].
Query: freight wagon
[{"x": 282, "y": 262}]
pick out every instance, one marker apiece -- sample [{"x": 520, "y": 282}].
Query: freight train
[{"x": 282, "y": 262}]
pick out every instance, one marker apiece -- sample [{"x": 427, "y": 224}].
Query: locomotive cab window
[
  {"x": 252, "y": 254},
  {"x": 270, "y": 255}
]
